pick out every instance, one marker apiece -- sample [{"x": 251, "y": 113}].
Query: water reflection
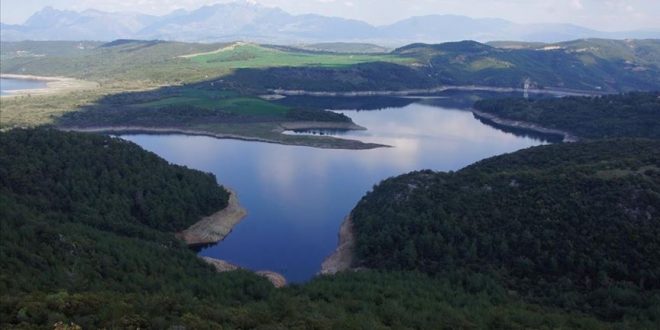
[{"x": 297, "y": 196}]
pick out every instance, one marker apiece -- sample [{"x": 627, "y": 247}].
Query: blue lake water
[
  {"x": 8, "y": 85},
  {"x": 298, "y": 196}
]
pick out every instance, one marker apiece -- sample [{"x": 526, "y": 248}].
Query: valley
[{"x": 330, "y": 165}]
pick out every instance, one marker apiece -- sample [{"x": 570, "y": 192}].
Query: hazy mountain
[
  {"x": 438, "y": 28},
  {"x": 253, "y": 22},
  {"x": 54, "y": 24}
]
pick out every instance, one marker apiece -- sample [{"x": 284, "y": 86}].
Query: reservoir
[
  {"x": 8, "y": 85},
  {"x": 297, "y": 197}
]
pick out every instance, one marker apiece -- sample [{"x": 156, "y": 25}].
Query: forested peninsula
[{"x": 634, "y": 114}]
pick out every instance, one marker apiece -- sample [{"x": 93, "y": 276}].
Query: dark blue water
[
  {"x": 298, "y": 196},
  {"x": 8, "y": 85}
]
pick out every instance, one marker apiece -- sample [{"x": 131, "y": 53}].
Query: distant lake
[
  {"x": 7, "y": 85},
  {"x": 298, "y": 196}
]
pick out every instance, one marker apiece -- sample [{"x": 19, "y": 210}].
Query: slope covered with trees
[
  {"x": 86, "y": 238},
  {"x": 574, "y": 226},
  {"x": 625, "y": 115},
  {"x": 470, "y": 63}
]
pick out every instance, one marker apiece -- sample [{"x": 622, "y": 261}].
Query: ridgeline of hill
[
  {"x": 229, "y": 89},
  {"x": 87, "y": 238},
  {"x": 572, "y": 226},
  {"x": 611, "y": 116},
  {"x": 598, "y": 67},
  {"x": 590, "y": 64}
]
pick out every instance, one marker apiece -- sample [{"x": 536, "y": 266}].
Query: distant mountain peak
[{"x": 252, "y": 21}]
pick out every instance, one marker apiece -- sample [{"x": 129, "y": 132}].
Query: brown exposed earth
[
  {"x": 216, "y": 227},
  {"x": 566, "y": 136},
  {"x": 222, "y": 266},
  {"x": 342, "y": 259}
]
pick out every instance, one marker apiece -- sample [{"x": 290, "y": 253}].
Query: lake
[
  {"x": 298, "y": 196},
  {"x": 7, "y": 85}
]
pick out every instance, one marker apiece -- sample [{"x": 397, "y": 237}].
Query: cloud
[{"x": 577, "y": 4}]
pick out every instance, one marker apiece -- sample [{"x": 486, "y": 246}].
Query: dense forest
[
  {"x": 624, "y": 115},
  {"x": 86, "y": 237},
  {"x": 572, "y": 226}
]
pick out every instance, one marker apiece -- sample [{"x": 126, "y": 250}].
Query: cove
[
  {"x": 297, "y": 197},
  {"x": 8, "y": 85}
]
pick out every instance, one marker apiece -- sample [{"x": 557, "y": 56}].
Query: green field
[
  {"x": 218, "y": 100},
  {"x": 161, "y": 63},
  {"x": 243, "y": 56}
]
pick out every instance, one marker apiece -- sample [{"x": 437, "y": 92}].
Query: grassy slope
[
  {"x": 249, "y": 69},
  {"x": 255, "y": 56},
  {"x": 140, "y": 65},
  {"x": 160, "y": 62},
  {"x": 645, "y": 52},
  {"x": 587, "y": 64},
  {"x": 227, "y": 101}
]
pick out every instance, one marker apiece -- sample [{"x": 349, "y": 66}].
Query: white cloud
[{"x": 577, "y": 4}]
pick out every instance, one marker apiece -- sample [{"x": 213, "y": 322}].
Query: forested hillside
[
  {"x": 472, "y": 63},
  {"x": 574, "y": 226},
  {"x": 625, "y": 115},
  {"x": 87, "y": 238},
  {"x": 592, "y": 64}
]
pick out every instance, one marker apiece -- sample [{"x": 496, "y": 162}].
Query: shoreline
[
  {"x": 439, "y": 89},
  {"x": 214, "y": 228},
  {"x": 309, "y": 125},
  {"x": 342, "y": 258},
  {"x": 327, "y": 143},
  {"x": 567, "y": 137},
  {"x": 222, "y": 266},
  {"x": 54, "y": 85}
]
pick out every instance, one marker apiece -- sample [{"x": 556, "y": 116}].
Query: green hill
[
  {"x": 160, "y": 61},
  {"x": 611, "y": 116},
  {"x": 574, "y": 226},
  {"x": 471, "y": 63},
  {"x": 87, "y": 239},
  {"x": 592, "y": 64},
  {"x": 642, "y": 52}
]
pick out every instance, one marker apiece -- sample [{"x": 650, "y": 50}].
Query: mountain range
[{"x": 253, "y": 22}]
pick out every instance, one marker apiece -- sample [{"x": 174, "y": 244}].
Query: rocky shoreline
[
  {"x": 439, "y": 89},
  {"x": 342, "y": 259},
  {"x": 325, "y": 143},
  {"x": 214, "y": 228},
  {"x": 222, "y": 266},
  {"x": 567, "y": 137},
  {"x": 303, "y": 125}
]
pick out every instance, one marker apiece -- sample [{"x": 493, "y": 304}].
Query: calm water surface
[
  {"x": 8, "y": 85},
  {"x": 298, "y": 196}
]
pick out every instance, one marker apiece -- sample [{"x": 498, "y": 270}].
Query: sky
[{"x": 605, "y": 15}]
